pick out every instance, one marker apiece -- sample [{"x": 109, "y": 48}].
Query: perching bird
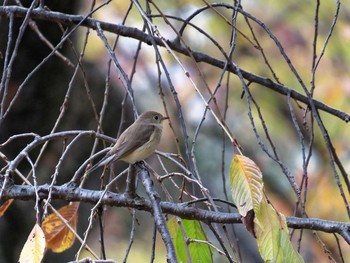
[{"x": 137, "y": 142}]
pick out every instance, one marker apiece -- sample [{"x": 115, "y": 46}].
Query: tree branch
[
  {"x": 157, "y": 211},
  {"x": 135, "y": 33},
  {"x": 70, "y": 192}
]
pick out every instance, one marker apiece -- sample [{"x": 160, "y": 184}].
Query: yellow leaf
[
  {"x": 58, "y": 236},
  {"x": 246, "y": 184},
  {"x": 5, "y": 206},
  {"x": 272, "y": 235},
  {"x": 267, "y": 225},
  {"x": 34, "y": 248}
]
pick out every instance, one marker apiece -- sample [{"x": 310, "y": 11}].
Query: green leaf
[
  {"x": 272, "y": 235},
  {"x": 199, "y": 252},
  {"x": 270, "y": 226},
  {"x": 246, "y": 184}
]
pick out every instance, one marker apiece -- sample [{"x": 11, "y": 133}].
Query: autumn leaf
[
  {"x": 246, "y": 184},
  {"x": 34, "y": 248},
  {"x": 5, "y": 206},
  {"x": 273, "y": 236},
  {"x": 267, "y": 225},
  {"x": 58, "y": 236}
]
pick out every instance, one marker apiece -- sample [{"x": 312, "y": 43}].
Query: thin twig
[{"x": 200, "y": 57}]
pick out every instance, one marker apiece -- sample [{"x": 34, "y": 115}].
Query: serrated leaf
[
  {"x": 199, "y": 252},
  {"x": 58, "y": 236},
  {"x": 269, "y": 226},
  {"x": 34, "y": 248},
  {"x": 246, "y": 184},
  {"x": 272, "y": 235},
  {"x": 5, "y": 206}
]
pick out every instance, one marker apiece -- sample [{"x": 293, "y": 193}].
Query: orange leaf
[
  {"x": 34, "y": 248},
  {"x": 58, "y": 236},
  {"x": 4, "y": 207}
]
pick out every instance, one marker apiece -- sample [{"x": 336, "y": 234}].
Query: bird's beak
[{"x": 164, "y": 118}]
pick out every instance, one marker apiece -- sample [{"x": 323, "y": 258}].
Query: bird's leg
[{"x": 130, "y": 190}]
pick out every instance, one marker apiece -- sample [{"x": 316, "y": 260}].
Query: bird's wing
[{"x": 124, "y": 146}]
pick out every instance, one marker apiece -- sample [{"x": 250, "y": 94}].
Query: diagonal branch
[{"x": 135, "y": 33}]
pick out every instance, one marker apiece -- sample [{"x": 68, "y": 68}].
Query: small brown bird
[{"x": 137, "y": 142}]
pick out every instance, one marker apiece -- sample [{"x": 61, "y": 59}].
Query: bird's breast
[{"x": 146, "y": 149}]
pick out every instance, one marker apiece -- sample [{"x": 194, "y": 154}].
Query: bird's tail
[{"x": 104, "y": 161}]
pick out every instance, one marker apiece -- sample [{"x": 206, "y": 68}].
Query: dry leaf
[
  {"x": 5, "y": 206},
  {"x": 34, "y": 248},
  {"x": 58, "y": 236}
]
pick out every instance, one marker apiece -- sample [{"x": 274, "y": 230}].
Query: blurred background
[{"x": 42, "y": 93}]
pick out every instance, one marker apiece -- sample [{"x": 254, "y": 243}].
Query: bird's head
[{"x": 152, "y": 117}]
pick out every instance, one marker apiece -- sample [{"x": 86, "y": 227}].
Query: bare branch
[
  {"x": 157, "y": 211},
  {"x": 72, "y": 193},
  {"x": 174, "y": 45}
]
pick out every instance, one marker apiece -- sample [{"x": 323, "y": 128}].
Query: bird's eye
[{"x": 156, "y": 117}]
